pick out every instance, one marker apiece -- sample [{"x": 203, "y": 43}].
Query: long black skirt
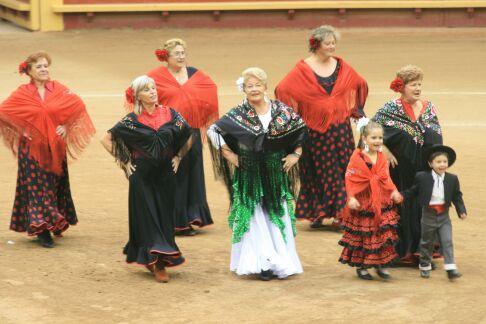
[
  {"x": 150, "y": 215},
  {"x": 191, "y": 207}
]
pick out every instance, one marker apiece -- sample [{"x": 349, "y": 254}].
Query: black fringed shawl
[
  {"x": 130, "y": 139},
  {"x": 260, "y": 177}
]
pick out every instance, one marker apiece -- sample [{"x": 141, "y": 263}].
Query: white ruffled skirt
[{"x": 264, "y": 248}]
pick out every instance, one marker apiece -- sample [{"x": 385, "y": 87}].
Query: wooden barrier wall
[{"x": 57, "y": 15}]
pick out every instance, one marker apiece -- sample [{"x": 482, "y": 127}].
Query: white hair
[{"x": 138, "y": 84}]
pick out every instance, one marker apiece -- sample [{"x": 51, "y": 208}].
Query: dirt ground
[{"x": 84, "y": 279}]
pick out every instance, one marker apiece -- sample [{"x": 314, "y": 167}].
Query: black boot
[
  {"x": 453, "y": 274},
  {"x": 45, "y": 239},
  {"x": 266, "y": 275}
]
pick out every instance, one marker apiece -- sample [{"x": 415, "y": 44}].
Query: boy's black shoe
[
  {"x": 425, "y": 274},
  {"x": 363, "y": 274},
  {"x": 266, "y": 275},
  {"x": 453, "y": 274},
  {"x": 45, "y": 239}
]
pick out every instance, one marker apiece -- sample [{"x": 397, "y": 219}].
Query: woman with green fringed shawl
[{"x": 256, "y": 147}]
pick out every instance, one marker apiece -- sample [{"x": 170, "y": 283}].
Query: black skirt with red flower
[
  {"x": 42, "y": 199},
  {"x": 366, "y": 242},
  {"x": 323, "y": 164}
]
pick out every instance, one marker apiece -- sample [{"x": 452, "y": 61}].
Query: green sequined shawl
[{"x": 260, "y": 178}]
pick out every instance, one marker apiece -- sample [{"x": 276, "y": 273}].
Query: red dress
[{"x": 369, "y": 233}]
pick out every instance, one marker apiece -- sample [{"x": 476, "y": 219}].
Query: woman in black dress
[
  {"x": 192, "y": 94},
  {"x": 411, "y": 126},
  {"x": 149, "y": 144}
]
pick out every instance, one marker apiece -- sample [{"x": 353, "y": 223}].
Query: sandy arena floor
[{"x": 84, "y": 279}]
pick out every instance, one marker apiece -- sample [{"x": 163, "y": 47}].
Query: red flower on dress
[
  {"x": 162, "y": 55},
  {"x": 397, "y": 85},
  {"x": 314, "y": 43},
  {"x": 23, "y": 67},
  {"x": 129, "y": 95}
]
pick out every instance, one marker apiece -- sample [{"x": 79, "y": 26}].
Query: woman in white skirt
[{"x": 256, "y": 147}]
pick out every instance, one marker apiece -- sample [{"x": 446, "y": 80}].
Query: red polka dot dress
[{"x": 323, "y": 165}]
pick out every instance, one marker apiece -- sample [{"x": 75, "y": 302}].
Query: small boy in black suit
[{"x": 436, "y": 190}]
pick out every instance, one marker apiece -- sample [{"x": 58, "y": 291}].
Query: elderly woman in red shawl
[
  {"x": 326, "y": 92},
  {"x": 194, "y": 95},
  {"x": 41, "y": 122}
]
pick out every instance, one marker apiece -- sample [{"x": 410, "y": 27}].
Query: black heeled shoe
[
  {"x": 383, "y": 274},
  {"x": 266, "y": 275},
  {"x": 45, "y": 239},
  {"x": 363, "y": 274}
]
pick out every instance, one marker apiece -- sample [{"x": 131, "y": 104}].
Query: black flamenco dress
[{"x": 151, "y": 187}]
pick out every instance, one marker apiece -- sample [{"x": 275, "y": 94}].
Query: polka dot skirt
[
  {"x": 322, "y": 168},
  {"x": 42, "y": 199}
]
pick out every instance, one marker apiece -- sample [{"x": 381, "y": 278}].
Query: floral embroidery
[
  {"x": 128, "y": 122},
  {"x": 284, "y": 119},
  {"x": 393, "y": 115}
]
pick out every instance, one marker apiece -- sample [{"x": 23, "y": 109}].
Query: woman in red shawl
[
  {"x": 41, "y": 122},
  {"x": 194, "y": 95},
  {"x": 326, "y": 92},
  {"x": 370, "y": 218}
]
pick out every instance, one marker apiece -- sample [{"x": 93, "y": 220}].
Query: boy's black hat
[{"x": 439, "y": 148}]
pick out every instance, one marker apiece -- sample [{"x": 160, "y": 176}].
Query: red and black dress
[
  {"x": 149, "y": 142},
  {"x": 326, "y": 104},
  {"x": 197, "y": 102},
  {"x": 369, "y": 233},
  {"x": 28, "y": 126}
]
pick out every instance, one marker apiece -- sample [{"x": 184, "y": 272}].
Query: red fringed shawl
[
  {"x": 25, "y": 114},
  {"x": 301, "y": 90},
  {"x": 196, "y": 100},
  {"x": 377, "y": 179}
]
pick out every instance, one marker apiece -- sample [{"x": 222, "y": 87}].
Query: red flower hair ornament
[
  {"x": 129, "y": 95},
  {"x": 397, "y": 85},
  {"x": 162, "y": 55},
  {"x": 23, "y": 67},
  {"x": 314, "y": 43}
]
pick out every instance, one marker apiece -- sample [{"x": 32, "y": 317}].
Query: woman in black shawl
[
  {"x": 149, "y": 144},
  {"x": 256, "y": 147}
]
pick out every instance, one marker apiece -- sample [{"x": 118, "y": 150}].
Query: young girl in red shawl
[
  {"x": 41, "y": 122},
  {"x": 370, "y": 219}
]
